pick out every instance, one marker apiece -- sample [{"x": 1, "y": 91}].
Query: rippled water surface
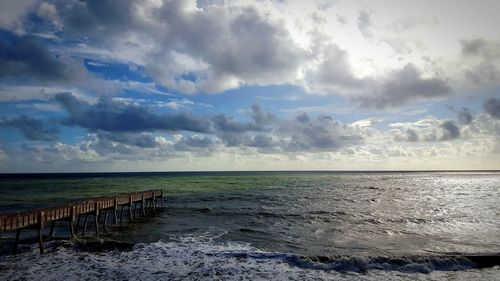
[{"x": 289, "y": 219}]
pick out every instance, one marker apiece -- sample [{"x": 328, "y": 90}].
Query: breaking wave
[{"x": 203, "y": 256}]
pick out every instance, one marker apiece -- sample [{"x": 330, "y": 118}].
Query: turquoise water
[{"x": 277, "y": 217}]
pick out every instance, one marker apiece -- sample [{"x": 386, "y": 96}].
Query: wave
[
  {"x": 410, "y": 264},
  {"x": 203, "y": 256}
]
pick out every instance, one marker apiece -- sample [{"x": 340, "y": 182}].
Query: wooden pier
[{"x": 126, "y": 204}]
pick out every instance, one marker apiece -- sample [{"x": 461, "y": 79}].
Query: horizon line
[{"x": 249, "y": 171}]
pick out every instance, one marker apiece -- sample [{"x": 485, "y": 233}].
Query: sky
[{"x": 167, "y": 85}]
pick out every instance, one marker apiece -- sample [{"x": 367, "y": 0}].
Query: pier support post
[
  {"x": 105, "y": 220},
  {"x": 16, "y": 242},
  {"x": 78, "y": 222},
  {"x": 71, "y": 230},
  {"x": 162, "y": 206},
  {"x": 121, "y": 214},
  {"x": 70, "y": 222},
  {"x": 85, "y": 225},
  {"x": 115, "y": 215},
  {"x": 142, "y": 205},
  {"x": 41, "y": 219},
  {"x": 52, "y": 224},
  {"x": 96, "y": 220},
  {"x": 130, "y": 209},
  {"x": 134, "y": 212},
  {"x": 153, "y": 202}
]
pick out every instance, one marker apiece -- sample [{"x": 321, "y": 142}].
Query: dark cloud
[
  {"x": 233, "y": 139},
  {"x": 484, "y": 73},
  {"x": 485, "y": 69},
  {"x": 144, "y": 139},
  {"x": 75, "y": 107},
  {"x": 25, "y": 57},
  {"x": 303, "y": 117},
  {"x": 262, "y": 141},
  {"x": 411, "y": 135},
  {"x": 464, "y": 116},
  {"x": 132, "y": 126},
  {"x": 196, "y": 144},
  {"x": 97, "y": 17},
  {"x": 416, "y": 134},
  {"x": 260, "y": 122},
  {"x": 31, "y": 128},
  {"x": 322, "y": 133},
  {"x": 364, "y": 23},
  {"x": 222, "y": 123},
  {"x": 198, "y": 141},
  {"x": 473, "y": 47},
  {"x": 492, "y": 107},
  {"x": 112, "y": 116},
  {"x": 262, "y": 118},
  {"x": 404, "y": 86},
  {"x": 450, "y": 130}
]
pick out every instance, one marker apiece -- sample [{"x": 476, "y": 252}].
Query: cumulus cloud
[
  {"x": 224, "y": 48},
  {"x": 31, "y": 128}
]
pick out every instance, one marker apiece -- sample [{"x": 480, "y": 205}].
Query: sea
[{"x": 271, "y": 226}]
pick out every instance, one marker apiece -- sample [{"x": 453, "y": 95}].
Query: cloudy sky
[{"x": 160, "y": 85}]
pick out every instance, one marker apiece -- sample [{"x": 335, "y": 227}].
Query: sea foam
[{"x": 202, "y": 256}]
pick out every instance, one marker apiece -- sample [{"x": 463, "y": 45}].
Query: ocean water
[{"x": 276, "y": 225}]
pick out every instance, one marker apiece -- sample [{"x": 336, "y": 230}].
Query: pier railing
[{"x": 69, "y": 212}]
